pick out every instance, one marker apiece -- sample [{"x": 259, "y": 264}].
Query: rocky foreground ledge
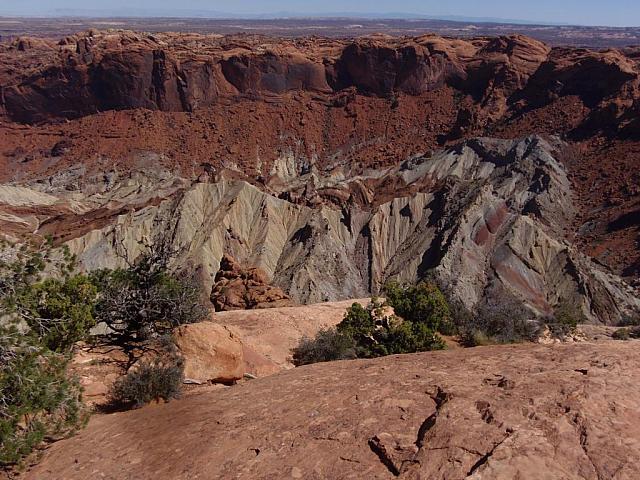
[{"x": 528, "y": 411}]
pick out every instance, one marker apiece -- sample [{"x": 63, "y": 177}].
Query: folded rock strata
[{"x": 482, "y": 213}]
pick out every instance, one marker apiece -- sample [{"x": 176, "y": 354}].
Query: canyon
[
  {"x": 292, "y": 175},
  {"x": 495, "y": 164}
]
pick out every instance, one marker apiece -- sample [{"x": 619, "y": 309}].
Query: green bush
[
  {"x": 567, "y": 315},
  {"x": 37, "y": 398},
  {"x": 367, "y": 333},
  {"x": 565, "y": 319},
  {"x": 58, "y": 311},
  {"x": 150, "y": 380},
  {"x": 423, "y": 303},
  {"x": 146, "y": 300},
  {"x": 41, "y": 320},
  {"x": 327, "y": 346},
  {"x": 409, "y": 337},
  {"x": 621, "y": 334}
]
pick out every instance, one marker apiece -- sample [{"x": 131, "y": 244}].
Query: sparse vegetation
[
  {"x": 621, "y": 334},
  {"x": 565, "y": 319},
  {"x": 38, "y": 400},
  {"x": 370, "y": 332},
  {"x": 627, "y": 333},
  {"x": 46, "y": 308},
  {"x": 501, "y": 319},
  {"x": 327, "y": 346},
  {"x": 150, "y": 380},
  {"x": 145, "y": 300}
]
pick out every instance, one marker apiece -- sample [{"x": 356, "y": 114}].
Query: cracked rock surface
[{"x": 527, "y": 411}]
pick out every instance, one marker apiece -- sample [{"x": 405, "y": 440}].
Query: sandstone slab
[
  {"x": 493, "y": 413},
  {"x": 212, "y": 353}
]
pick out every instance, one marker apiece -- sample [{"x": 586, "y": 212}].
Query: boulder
[
  {"x": 212, "y": 353},
  {"x": 244, "y": 289},
  {"x": 257, "y": 364}
]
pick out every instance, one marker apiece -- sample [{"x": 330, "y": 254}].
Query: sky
[{"x": 575, "y": 12}]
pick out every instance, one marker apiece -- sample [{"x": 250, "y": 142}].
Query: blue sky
[{"x": 584, "y": 12}]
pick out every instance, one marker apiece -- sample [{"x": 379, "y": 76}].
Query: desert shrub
[
  {"x": 565, "y": 319},
  {"x": 327, "y": 346},
  {"x": 150, "y": 380},
  {"x": 37, "y": 398},
  {"x": 367, "y": 333},
  {"x": 621, "y": 334},
  {"x": 501, "y": 319},
  {"x": 408, "y": 337},
  {"x": 358, "y": 325},
  {"x": 423, "y": 303},
  {"x": 40, "y": 320},
  {"x": 568, "y": 315},
  {"x": 146, "y": 300},
  {"x": 58, "y": 309}
]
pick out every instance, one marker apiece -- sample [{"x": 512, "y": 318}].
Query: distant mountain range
[{"x": 177, "y": 13}]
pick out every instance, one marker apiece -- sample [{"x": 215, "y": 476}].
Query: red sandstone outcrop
[
  {"x": 567, "y": 411},
  {"x": 236, "y": 288},
  {"x": 211, "y": 353},
  {"x": 274, "y": 332},
  {"x": 103, "y": 71}
]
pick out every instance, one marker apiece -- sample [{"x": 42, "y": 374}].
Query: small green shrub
[
  {"x": 367, "y": 333},
  {"x": 58, "y": 311},
  {"x": 501, "y": 319},
  {"x": 409, "y": 337},
  {"x": 423, "y": 303},
  {"x": 568, "y": 315},
  {"x": 327, "y": 346},
  {"x": 621, "y": 334},
  {"x": 151, "y": 380},
  {"x": 565, "y": 319}
]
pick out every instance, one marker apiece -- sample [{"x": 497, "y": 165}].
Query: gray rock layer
[{"x": 483, "y": 214}]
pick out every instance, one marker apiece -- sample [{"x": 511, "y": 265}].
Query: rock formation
[
  {"x": 239, "y": 289},
  {"x": 211, "y": 353},
  {"x": 269, "y": 109},
  {"x": 568, "y": 411},
  {"x": 306, "y": 159},
  {"x": 482, "y": 215},
  {"x": 274, "y": 332}
]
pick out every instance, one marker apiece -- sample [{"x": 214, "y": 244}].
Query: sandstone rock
[
  {"x": 211, "y": 352},
  {"x": 97, "y": 368},
  {"x": 272, "y": 333},
  {"x": 238, "y": 289},
  {"x": 528, "y": 411},
  {"x": 257, "y": 364}
]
